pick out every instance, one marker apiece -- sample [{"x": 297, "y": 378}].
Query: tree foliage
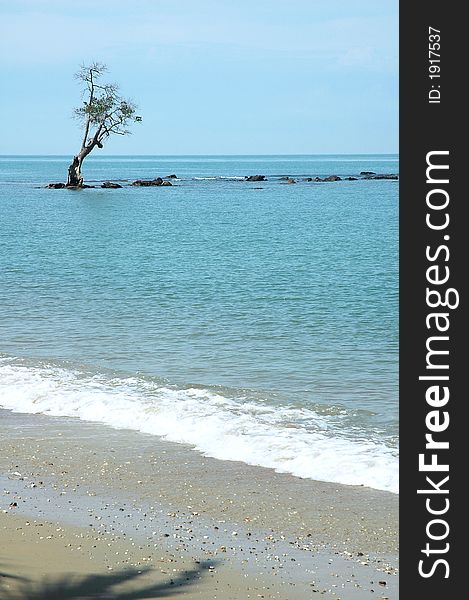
[{"x": 104, "y": 112}]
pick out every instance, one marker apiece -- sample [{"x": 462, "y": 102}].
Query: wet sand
[{"x": 103, "y": 504}]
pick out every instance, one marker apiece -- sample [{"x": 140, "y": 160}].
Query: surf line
[{"x": 439, "y": 300}]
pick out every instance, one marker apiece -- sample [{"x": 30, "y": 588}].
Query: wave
[
  {"x": 299, "y": 441},
  {"x": 219, "y": 178}
]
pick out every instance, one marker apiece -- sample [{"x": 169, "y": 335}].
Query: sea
[{"x": 254, "y": 321}]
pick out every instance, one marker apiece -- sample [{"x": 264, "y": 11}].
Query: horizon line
[{"x": 199, "y": 155}]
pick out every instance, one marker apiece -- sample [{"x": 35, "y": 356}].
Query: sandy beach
[
  {"x": 199, "y": 290},
  {"x": 89, "y": 510}
]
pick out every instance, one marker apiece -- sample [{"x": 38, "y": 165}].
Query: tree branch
[{"x": 90, "y": 102}]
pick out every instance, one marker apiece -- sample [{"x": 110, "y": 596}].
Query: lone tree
[{"x": 104, "y": 113}]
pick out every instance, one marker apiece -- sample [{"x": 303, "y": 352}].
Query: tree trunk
[{"x": 75, "y": 178}]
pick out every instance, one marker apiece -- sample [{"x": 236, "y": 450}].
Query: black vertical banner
[{"x": 434, "y": 239}]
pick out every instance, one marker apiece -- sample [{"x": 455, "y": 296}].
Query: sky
[{"x": 208, "y": 76}]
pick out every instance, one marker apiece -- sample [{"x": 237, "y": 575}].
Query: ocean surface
[{"x": 255, "y": 321}]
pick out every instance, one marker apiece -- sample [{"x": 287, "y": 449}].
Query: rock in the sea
[
  {"x": 147, "y": 182},
  {"x": 351, "y": 179},
  {"x": 173, "y": 176},
  {"x": 151, "y": 182},
  {"x": 386, "y": 176},
  {"x": 255, "y": 177},
  {"x": 111, "y": 185},
  {"x": 330, "y": 178},
  {"x": 290, "y": 180},
  {"x": 367, "y": 173},
  {"x": 308, "y": 179},
  {"x": 61, "y": 186}
]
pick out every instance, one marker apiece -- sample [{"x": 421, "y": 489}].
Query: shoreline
[
  {"x": 283, "y": 532},
  {"x": 312, "y": 442}
]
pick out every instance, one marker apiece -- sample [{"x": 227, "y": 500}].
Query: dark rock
[
  {"x": 111, "y": 185},
  {"x": 258, "y": 188},
  {"x": 387, "y": 176},
  {"x": 330, "y": 178},
  {"x": 150, "y": 182},
  {"x": 173, "y": 176},
  {"x": 285, "y": 178},
  {"x": 55, "y": 186},
  {"x": 367, "y": 173},
  {"x": 290, "y": 180},
  {"x": 308, "y": 179},
  {"x": 79, "y": 187},
  {"x": 255, "y": 178},
  {"x": 351, "y": 179}
]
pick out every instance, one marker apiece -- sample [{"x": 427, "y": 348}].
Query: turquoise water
[{"x": 255, "y": 324}]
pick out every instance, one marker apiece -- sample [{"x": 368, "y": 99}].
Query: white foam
[{"x": 290, "y": 440}]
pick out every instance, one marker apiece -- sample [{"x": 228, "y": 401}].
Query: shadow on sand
[{"x": 93, "y": 587}]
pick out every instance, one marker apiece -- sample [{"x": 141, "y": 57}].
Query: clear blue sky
[{"x": 209, "y": 76}]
